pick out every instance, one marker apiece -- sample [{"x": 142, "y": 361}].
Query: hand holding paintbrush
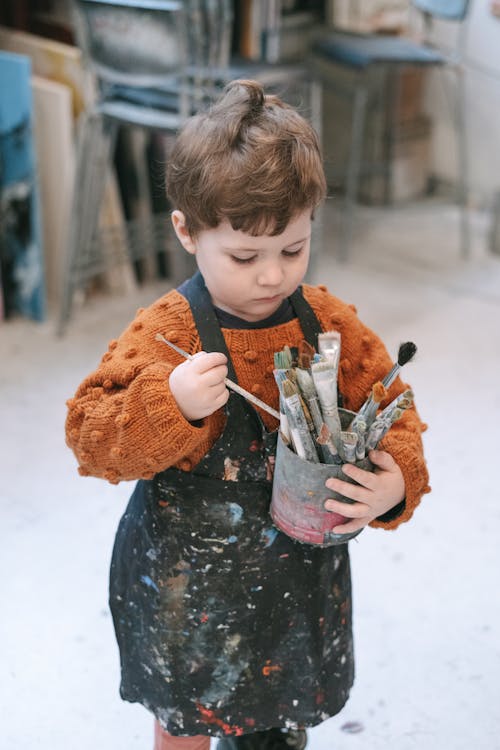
[{"x": 229, "y": 383}]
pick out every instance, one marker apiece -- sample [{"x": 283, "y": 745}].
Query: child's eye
[
  {"x": 292, "y": 253},
  {"x": 243, "y": 260}
]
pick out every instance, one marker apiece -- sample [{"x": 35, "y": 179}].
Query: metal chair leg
[
  {"x": 315, "y": 91},
  {"x": 94, "y": 150},
  {"x": 463, "y": 184},
  {"x": 353, "y": 169},
  {"x": 316, "y": 106}
]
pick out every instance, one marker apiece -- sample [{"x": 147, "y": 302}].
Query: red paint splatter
[
  {"x": 255, "y": 445},
  {"x": 209, "y": 717},
  {"x": 163, "y": 503},
  {"x": 268, "y": 668},
  {"x": 204, "y": 617},
  {"x": 250, "y": 722}
]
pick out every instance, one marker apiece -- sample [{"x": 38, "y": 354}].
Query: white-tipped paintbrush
[
  {"x": 324, "y": 377},
  {"x": 229, "y": 383}
]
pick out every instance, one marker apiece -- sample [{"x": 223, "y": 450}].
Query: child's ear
[{"x": 180, "y": 228}]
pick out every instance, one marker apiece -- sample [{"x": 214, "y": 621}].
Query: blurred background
[{"x": 406, "y": 98}]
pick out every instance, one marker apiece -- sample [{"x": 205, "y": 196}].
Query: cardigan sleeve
[
  {"x": 365, "y": 361},
  {"x": 123, "y": 422}
]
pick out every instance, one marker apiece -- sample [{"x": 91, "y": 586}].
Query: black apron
[{"x": 226, "y": 625}]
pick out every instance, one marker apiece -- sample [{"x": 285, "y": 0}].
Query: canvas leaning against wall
[{"x": 21, "y": 251}]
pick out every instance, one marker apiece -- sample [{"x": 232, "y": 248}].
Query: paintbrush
[
  {"x": 368, "y": 411},
  {"x": 406, "y": 352},
  {"x": 380, "y": 427},
  {"x": 283, "y": 359},
  {"x": 324, "y": 375},
  {"x": 402, "y": 401},
  {"x": 327, "y": 451},
  {"x": 299, "y": 428},
  {"x": 305, "y": 353},
  {"x": 329, "y": 347},
  {"x": 229, "y": 383},
  {"x": 280, "y": 376},
  {"x": 348, "y": 443}
]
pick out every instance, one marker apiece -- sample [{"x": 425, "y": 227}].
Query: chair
[
  {"x": 362, "y": 54},
  {"x": 155, "y": 63}
]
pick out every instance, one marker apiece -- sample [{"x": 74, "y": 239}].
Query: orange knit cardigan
[{"x": 123, "y": 423}]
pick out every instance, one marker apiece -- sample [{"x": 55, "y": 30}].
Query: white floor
[{"x": 426, "y": 597}]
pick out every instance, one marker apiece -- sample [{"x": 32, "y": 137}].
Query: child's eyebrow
[{"x": 298, "y": 242}]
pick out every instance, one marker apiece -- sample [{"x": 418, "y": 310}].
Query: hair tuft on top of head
[{"x": 241, "y": 104}]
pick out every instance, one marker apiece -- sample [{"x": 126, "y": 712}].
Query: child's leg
[{"x": 166, "y": 741}]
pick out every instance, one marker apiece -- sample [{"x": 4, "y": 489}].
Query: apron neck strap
[
  {"x": 205, "y": 319},
  {"x": 307, "y": 317}
]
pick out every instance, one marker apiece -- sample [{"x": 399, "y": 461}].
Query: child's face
[{"x": 249, "y": 276}]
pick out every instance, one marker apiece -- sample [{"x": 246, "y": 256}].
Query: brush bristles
[
  {"x": 304, "y": 360},
  {"x": 406, "y": 352},
  {"x": 305, "y": 348},
  {"x": 379, "y": 392},
  {"x": 289, "y": 388}
]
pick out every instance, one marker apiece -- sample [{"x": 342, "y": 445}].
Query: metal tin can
[{"x": 299, "y": 494}]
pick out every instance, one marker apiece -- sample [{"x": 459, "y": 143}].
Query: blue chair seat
[
  {"x": 142, "y": 97},
  {"x": 362, "y": 50}
]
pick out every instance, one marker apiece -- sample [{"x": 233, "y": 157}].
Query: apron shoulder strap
[
  {"x": 205, "y": 319},
  {"x": 309, "y": 323},
  {"x": 307, "y": 317}
]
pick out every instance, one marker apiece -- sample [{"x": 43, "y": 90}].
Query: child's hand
[
  {"x": 380, "y": 490},
  {"x": 198, "y": 385}
]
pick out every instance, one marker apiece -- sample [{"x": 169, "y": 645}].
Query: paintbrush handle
[
  {"x": 229, "y": 383},
  {"x": 250, "y": 397},
  {"x": 391, "y": 376},
  {"x": 369, "y": 408}
]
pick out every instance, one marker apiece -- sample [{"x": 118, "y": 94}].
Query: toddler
[{"x": 226, "y": 626}]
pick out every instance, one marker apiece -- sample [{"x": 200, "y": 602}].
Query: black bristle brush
[{"x": 406, "y": 352}]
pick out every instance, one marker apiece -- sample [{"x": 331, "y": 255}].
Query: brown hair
[{"x": 250, "y": 159}]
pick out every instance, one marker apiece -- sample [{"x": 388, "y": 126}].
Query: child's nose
[{"x": 271, "y": 274}]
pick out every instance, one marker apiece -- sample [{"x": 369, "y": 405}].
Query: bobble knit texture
[{"x": 123, "y": 423}]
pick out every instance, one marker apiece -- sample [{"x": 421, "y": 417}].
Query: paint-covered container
[{"x": 299, "y": 494}]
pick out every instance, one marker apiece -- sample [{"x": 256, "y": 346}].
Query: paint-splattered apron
[{"x": 224, "y": 624}]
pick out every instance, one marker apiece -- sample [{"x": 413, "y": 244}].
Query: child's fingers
[
  {"x": 350, "y": 510},
  {"x": 352, "y": 491},
  {"x": 350, "y": 526},
  {"x": 222, "y": 398},
  {"x": 366, "y": 482},
  {"x": 216, "y": 390},
  {"x": 203, "y": 361},
  {"x": 382, "y": 459},
  {"x": 214, "y": 402},
  {"x": 215, "y": 376}
]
